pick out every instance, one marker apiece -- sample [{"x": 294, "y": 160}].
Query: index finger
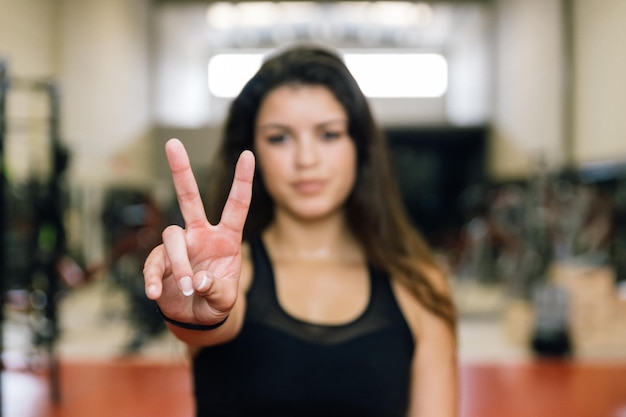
[{"x": 187, "y": 193}]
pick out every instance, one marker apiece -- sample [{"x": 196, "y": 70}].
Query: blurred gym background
[{"x": 507, "y": 133}]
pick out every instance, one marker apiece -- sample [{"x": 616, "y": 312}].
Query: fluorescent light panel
[{"x": 402, "y": 75}]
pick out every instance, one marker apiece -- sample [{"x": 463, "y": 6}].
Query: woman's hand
[{"x": 194, "y": 274}]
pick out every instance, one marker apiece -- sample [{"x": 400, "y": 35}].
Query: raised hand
[{"x": 194, "y": 273}]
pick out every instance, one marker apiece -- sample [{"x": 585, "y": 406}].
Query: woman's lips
[{"x": 308, "y": 186}]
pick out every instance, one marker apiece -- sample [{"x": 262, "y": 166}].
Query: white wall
[
  {"x": 98, "y": 52},
  {"x": 600, "y": 71},
  {"x": 105, "y": 71},
  {"x": 27, "y": 41},
  {"x": 180, "y": 66},
  {"x": 528, "y": 108},
  {"x": 28, "y": 51},
  {"x": 470, "y": 93}
]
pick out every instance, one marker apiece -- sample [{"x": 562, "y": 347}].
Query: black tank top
[{"x": 280, "y": 366}]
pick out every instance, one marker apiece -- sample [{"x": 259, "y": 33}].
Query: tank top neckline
[{"x": 271, "y": 282}]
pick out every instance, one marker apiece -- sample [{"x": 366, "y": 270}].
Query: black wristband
[{"x": 191, "y": 326}]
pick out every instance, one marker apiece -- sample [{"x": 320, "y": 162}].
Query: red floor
[
  {"x": 138, "y": 388},
  {"x": 544, "y": 390}
]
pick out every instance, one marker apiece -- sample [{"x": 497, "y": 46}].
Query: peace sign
[{"x": 194, "y": 273}]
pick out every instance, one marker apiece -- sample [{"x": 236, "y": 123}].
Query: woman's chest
[{"x": 322, "y": 292}]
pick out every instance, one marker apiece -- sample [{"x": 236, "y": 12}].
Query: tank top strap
[
  {"x": 261, "y": 262},
  {"x": 262, "y": 286}
]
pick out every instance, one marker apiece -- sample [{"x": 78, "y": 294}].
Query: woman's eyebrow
[
  {"x": 325, "y": 123},
  {"x": 342, "y": 121},
  {"x": 272, "y": 125}
]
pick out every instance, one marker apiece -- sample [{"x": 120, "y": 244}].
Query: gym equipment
[{"x": 31, "y": 219}]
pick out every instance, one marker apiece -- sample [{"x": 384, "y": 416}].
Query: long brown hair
[{"x": 375, "y": 211}]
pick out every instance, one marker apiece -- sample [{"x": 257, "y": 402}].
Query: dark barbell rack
[
  {"x": 47, "y": 206},
  {"x": 3, "y": 92}
]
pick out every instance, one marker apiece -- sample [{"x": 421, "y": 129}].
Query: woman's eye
[
  {"x": 330, "y": 135},
  {"x": 278, "y": 138}
]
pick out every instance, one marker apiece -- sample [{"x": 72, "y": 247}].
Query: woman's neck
[{"x": 328, "y": 239}]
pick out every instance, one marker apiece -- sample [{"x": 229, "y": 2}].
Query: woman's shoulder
[{"x": 415, "y": 313}]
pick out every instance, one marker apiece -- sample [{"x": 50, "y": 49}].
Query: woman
[{"x": 309, "y": 293}]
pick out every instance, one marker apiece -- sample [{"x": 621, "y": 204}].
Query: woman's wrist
[{"x": 191, "y": 326}]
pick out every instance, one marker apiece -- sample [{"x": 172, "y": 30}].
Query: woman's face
[{"x": 304, "y": 152}]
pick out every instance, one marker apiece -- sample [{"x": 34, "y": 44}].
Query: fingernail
[
  {"x": 151, "y": 291},
  {"x": 204, "y": 283},
  {"x": 186, "y": 286}
]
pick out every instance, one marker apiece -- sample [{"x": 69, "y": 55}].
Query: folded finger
[
  {"x": 153, "y": 273},
  {"x": 221, "y": 294},
  {"x": 175, "y": 246}
]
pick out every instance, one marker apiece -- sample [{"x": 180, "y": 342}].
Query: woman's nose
[{"x": 307, "y": 152}]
